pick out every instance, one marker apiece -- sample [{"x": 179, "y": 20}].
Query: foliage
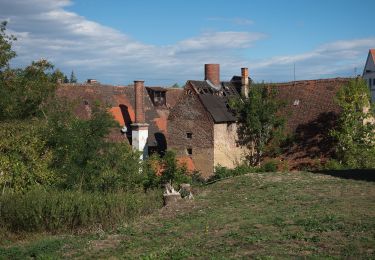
[
  {"x": 73, "y": 78},
  {"x": 163, "y": 169},
  {"x": 260, "y": 124},
  {"x": 269, "y": 166},
  {"x": 82, "y": 156},
  {"x": 355, "y": 134},
  {"x": 41, "y": 210},
  {"x": 24, "y": 158},
  {"x": 6, "y": 52},
  {"x": 23, "y": 92}
]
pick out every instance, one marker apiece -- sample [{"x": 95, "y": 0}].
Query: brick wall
[{"x": 189, "y": 116}]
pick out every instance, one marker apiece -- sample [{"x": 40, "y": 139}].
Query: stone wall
[
  {"x": 227, "y": 152},
  {"x": 191, "y": 127}
]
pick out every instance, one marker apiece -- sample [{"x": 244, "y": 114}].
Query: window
[
  {"x": 189, "y": 135},
  {"x": 373, "y": 82},
  {"x": 369, "y": 82},
  {"x": 189, "y": 151}
]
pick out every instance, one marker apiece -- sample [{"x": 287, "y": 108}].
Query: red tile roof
[{"x": 116, "y": 113}]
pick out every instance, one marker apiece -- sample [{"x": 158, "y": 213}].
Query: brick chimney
[
  {"x": 212, "y": 73},
  {"x": 245, "y": 82},
  {"x": 140, "y": 127},
  {"x": 139, "y": 101}
]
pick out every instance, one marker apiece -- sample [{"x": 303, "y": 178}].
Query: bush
[
  {"x": 24, "y": 158},
  {"x": 269, "y": 166},
  {"x": 333, "y": 165},
  {"x": 161, "y": 170},
  {"x": 40, "y": 210}
]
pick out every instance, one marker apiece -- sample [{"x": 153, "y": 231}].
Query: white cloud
[
  {"x": 45, "y": 29},
  {"x": 336, "y": 59}
]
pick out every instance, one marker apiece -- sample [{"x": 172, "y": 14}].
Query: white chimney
[
  {"x": 140, "y": 127},
  {"x": 245, "y": 82}
]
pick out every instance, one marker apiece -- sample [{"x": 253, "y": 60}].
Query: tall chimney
[
  {"x": 212, "y": 73},
  {"x": 245, "y": 82},
  {"x": 140, "y": 127},
  {"x": 139, "y": 101}
]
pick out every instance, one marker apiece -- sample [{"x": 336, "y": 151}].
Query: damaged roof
[{"x": 215, "y": 99}]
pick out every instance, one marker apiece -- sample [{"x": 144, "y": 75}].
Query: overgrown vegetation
[
  {"x": 41, "y": 210},
  {"x": 161, "y": 170},
  {"x": 261, "y": 127},
  {"x": 355, "y": 134},
  {"x": 58, "y": 171}
]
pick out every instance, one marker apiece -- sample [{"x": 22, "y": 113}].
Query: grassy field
[{"x": 269, "y": 215}]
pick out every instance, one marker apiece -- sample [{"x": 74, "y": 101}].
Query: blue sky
[{"x": 163, "y": 42}]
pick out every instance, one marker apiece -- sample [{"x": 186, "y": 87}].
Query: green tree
[
  {"x": 83, "y": 158},
  {"x": 73, "y": 78},
  {"x": 6, "y": 52},
  {"x": 24, "y": 93},
  {"x": 24, "y": 158},
  {"x": 355, "y": 134},
  {"x": 66, "y": 80},
  {"x": 260, "y": 123}
]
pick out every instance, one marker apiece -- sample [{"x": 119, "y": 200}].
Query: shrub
[
  {"x": 161, "y": 170},
  {"x": 24, "y": 159},
  {"x": 333, "y": 165},
  {"x": 269, "y": 166},
  {"x": 41, "y": 210}
]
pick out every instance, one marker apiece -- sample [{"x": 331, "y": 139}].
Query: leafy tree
[
  {"x": 24, "y": 158},
  {"x": 6, "y": 52},
  {"x": 24, "y": 93},
  {"x": 355, "y": 134},
  {"x": 73, "y": 78},
  {"x": 58, "y": 76},
  {"x": 260, "y": 124},
  {"x": 83, "y": 158}
]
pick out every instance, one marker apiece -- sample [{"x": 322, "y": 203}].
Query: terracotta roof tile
[
  {"x": 116, "y": 113},
  {"x": 186, "y": 161}
]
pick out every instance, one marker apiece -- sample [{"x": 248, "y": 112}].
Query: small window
[
  {"x": 85, "y": 102},
  {"x": 296, "y": 102},
  {"x": 189, "y": 151},
  {"x": 373, "y": 82},
  {"x": 189, "y": 135}
]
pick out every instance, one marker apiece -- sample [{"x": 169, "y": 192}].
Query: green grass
[{"x": 269, "y": 215}]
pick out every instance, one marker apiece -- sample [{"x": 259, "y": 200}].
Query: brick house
[{"x": 201, "y": 124}]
